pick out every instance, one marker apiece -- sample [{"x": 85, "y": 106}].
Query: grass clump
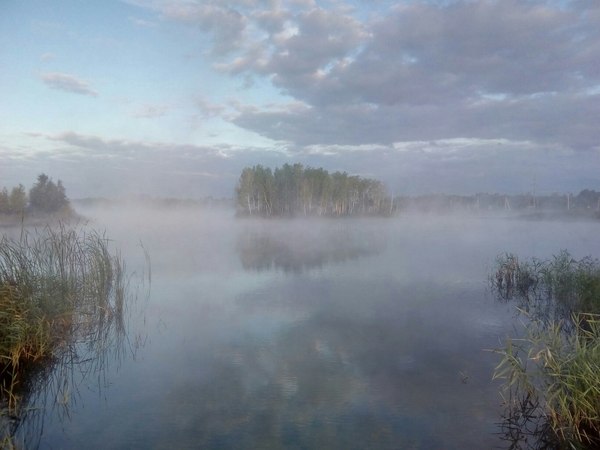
[
  {"x": 552, "y": 374},
  {"x": 552, "y": 389},
  {"x": 553, "y": 289},
  {"x": 59, "y": 287}
]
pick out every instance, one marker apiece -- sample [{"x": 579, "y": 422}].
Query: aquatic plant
[
  {"x": 61, "y": 291},
  {"x": 552, "y": 389},
  {"x": 513, "y": 277},
  {"x": 552, "y": 374},
  {"x": 551, "y": 289}
]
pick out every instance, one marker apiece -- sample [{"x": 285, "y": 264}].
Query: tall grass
[
  {"x": 552, "y": 374},
  {"x": 60, "y": 289},
  {"x": 552, "y": 289}
]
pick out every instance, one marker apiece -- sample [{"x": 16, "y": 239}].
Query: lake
[{"x": 304, "y": 334}]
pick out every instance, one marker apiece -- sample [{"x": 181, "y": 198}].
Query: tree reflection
[
  {"x": 305, "y": 388},
  {"x": 263, "y": 250}
]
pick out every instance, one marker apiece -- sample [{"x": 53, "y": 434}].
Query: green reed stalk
[
  {"x": 552, "y": 383},
  {"x": 552, "y": 375},
  {"x": 57, "y": 286}
]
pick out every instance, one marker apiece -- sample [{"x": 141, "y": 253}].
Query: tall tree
[
  {"x": 4, "y": 201},
  {"x": 294, "y": 189},
  {"x": 18, "y": 199},
  {"x": 47, "y": 196}
]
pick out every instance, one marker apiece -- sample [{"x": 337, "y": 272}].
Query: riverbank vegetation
[
  {"x": 295, "y": 190},
  {"x": 553, "y": 289},
  {"x": 298, "y": 190},
  {"x": 552, "y": 373},
  {"x": 62, "y": 299}
]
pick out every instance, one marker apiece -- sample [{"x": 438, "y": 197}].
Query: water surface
[{"x": 309, "y": 334}]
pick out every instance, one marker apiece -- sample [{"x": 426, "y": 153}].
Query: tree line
[
  {"x": 293, "y": 190},
  {"x": 45, "y": 196},
  {"x": 586, "y": 202}
]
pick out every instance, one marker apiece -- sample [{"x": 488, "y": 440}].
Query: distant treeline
[
  {"x": 154, "y": 202},
  {"x": 587, "y": 202},
  {"x": 44, "y": 197},
  {"x": 295, "y": 190}
]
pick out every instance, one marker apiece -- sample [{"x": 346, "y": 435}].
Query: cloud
[
  {"x": 565, "y": 119},
  {"x": 150, "y": 111},
  {"x": 460, "y": 166},
  {"x": 226, "y": 24},
  {"x": 143, "y": 151},
  {"x": 509, "y": 69},
  {"x": 489, "y": 69},
  {"x": 119, "y": 148},
  {"x": 298, "y": 46},
  {"x": 94, "y": 165},
  {"x": 67, "y": 83},
  {"x": 436, "y": 95},
  {"x": 142, "y": 23},
  {"x": 208, "y": 109}
]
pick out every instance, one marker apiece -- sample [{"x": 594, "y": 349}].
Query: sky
[{"x": 173, "y": 98}]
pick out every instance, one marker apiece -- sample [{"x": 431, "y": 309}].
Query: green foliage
[
  {"x": 14, "y": 202},
  {"x": 552, "y": 289},
  {"x": 4, "y": 201},
  {"x": 552, "y": 389},
  {"x": 295, "y": 190},
  {"x": 56, "y": 287},
  {"x": 47, "y": 196}
]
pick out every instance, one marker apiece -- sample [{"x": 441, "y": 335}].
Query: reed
[
  {"x": 58, "y": 287},
  {"x": 552, "y": 389},
  {"x": 552, "y": 374},
  {"x": 554, "y": 289}
]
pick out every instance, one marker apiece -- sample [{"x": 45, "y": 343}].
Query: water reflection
[
  {"x": 307, "y": 386},
  {"x": 349, "y": 365},
  {"x": 52, "y": 388},
  {"x": 294, "y": 252},
  {"x": 339, "y": 345}
]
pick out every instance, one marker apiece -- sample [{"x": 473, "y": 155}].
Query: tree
[
  {"x": 264, "y": 189},
  {"x": 14, "y": 202},
  {"x": 588, "y": 199},
  {"x": 47, "y": 196},
  {"x": 17, "y": 200},
  {"x": 293, "y": 189},
  {"x": 4, "y": 202}
]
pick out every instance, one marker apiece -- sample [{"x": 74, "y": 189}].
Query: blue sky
[{"x": 175, "y": 97}]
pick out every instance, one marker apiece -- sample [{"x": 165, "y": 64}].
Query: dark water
[{"x": 308, "y": 334}]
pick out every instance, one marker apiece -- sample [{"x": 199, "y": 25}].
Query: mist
[
  {"x": 310, "y": 200},
  {"x": 310, "y": 332}
]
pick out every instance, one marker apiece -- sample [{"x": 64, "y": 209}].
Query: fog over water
[
  {"x": 350, "y": 333},
  {"x": 296, "y": 333}
]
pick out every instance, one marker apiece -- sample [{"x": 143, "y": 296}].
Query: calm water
[{"x": 307, "y": 334}]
